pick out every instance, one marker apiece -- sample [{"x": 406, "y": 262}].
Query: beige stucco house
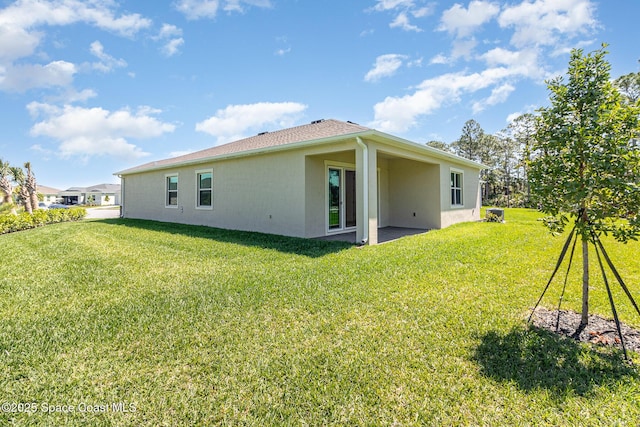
[{"x": 323, "y": 178}]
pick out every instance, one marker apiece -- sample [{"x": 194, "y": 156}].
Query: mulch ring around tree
[{"x": 599, "y": 331}]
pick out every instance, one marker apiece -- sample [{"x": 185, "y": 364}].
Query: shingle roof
[
  {"x": 47, "y": 190},
  {"x": 316, "y": 130},
  {"x": 100, "y": 188},
  {"x": 104, "y": 188}
]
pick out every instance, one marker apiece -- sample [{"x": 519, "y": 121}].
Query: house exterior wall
[
  {"x": 49, "y": 198},
  {"x": 470, "y": 211},
  {"x": 383, "y": 193},
  {"x": 316, "y": 163},
  {"x": 414, "y": 195},
  {"x": 100, "y": 199},
  {"x": 260, "y": 193}
]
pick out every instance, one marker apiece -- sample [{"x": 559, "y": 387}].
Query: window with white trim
[
  {"x": 171, "y": 190},
  {"x": 457, "y": 183},
  {"x": 204, "y": 189}
]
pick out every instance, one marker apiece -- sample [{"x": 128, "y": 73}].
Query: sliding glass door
[{"x": 341, "y": 198}]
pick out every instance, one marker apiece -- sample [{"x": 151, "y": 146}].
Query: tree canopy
[{"x": 584, "y": 164}]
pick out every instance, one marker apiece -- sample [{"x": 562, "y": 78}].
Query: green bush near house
[
  {"x": 143, "y": 323},
  {"x": 24, "y": 220}
]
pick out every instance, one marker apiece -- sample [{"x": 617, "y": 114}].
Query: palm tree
[
  {"x": 6, "y": 186},
  {"x": 20, "y": 179},
  {"x": 32, "y": 186}
]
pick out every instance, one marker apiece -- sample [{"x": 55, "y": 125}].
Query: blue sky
[{"x": 90, "y": 87}]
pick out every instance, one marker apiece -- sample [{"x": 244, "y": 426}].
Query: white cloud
[
  {"x": 404, "y": 10},
  {"x": 424, "y": 11},
  {"x": 282, "y": 52},
  {"x": 439, "y": 59},
  {"x": 511, "y": 117},
  {"x": 460, "y": 48},
  {"x": 415, "y": 63},
  {"x": 20, "y": 37},
  {"x": 398, "y": 114},
  {"x": 528, "y": 109},
  {"x": 236, "y": 5},
  {"x": 402, "y": 21},
  {"x": 236, "y": 121},
  {"x": 498, "y": 95},
  {"x": 199, "y": 9},
  {"x": 463, "y": 22},
  {"x": 172, "y": 46},
  {"x": 107, "y": 62},
  {"x": 366, "y": 33},
  {"x": 384, "y": 5},
  {"x": 283, "y": 40},
  {"x": 87, "y": 132},
  {"x": 171, "y": 36},
  {"x": 524, "y": 62},
  {"x": 545, "y": 22},
  {"x": 196, "y": 9},
  {"x": 27, "y": 14},
  {"x": 168, "y": 30},
  {"x": 16, "y": 42},
  {"x": 45, "y": 153},
  {"x": 20, "y": 78},
  {"x": 69, "y": 95},
  {"x": 463, "y": 48},
  {"x": 385, "y": 66}
]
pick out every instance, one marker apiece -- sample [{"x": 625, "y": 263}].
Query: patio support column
[
  {"x": 367, "y": 193},
  {"x": 372, "y": 164}
]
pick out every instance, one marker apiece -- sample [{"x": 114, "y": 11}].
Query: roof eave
[
  {"x": 247, "y": 153},
  {"x": 434, "y": 152},
  {"x": 401, "y": 142}
]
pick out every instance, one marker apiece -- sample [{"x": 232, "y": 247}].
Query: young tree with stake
[{"x": 584, "y": 167}]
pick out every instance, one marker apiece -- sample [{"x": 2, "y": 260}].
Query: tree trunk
[
  {"x": 33, "y": 198},
  {"x": 585, "y": 282},
  {"x": 26, "y": 200}
]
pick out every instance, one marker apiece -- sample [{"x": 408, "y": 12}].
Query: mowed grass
[{"x": 183, "y": 325}]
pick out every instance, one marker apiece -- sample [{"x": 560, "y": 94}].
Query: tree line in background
[
  {"x": 14, "y": 181},
  {"x": 507, "y": 152}
]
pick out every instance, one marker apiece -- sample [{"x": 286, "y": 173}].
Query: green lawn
[{"x": 185, "y": 325}]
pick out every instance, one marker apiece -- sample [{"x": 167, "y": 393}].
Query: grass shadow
[
  {"x": 535, "y": 358},
  {"x": 295, "y": 245}
]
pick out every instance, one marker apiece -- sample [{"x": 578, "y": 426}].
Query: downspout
[
  {"x": 121, "y": 196},
  {"x": 365, "y": 195}
]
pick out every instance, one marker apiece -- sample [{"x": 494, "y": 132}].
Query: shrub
[{"x": 24, "y": 221}]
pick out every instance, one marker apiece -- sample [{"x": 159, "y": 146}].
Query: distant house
[
  {"x": 101, "y": 195},
  {"x": 49, "y": 194},
  {"x": 320, "y": 179}
]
